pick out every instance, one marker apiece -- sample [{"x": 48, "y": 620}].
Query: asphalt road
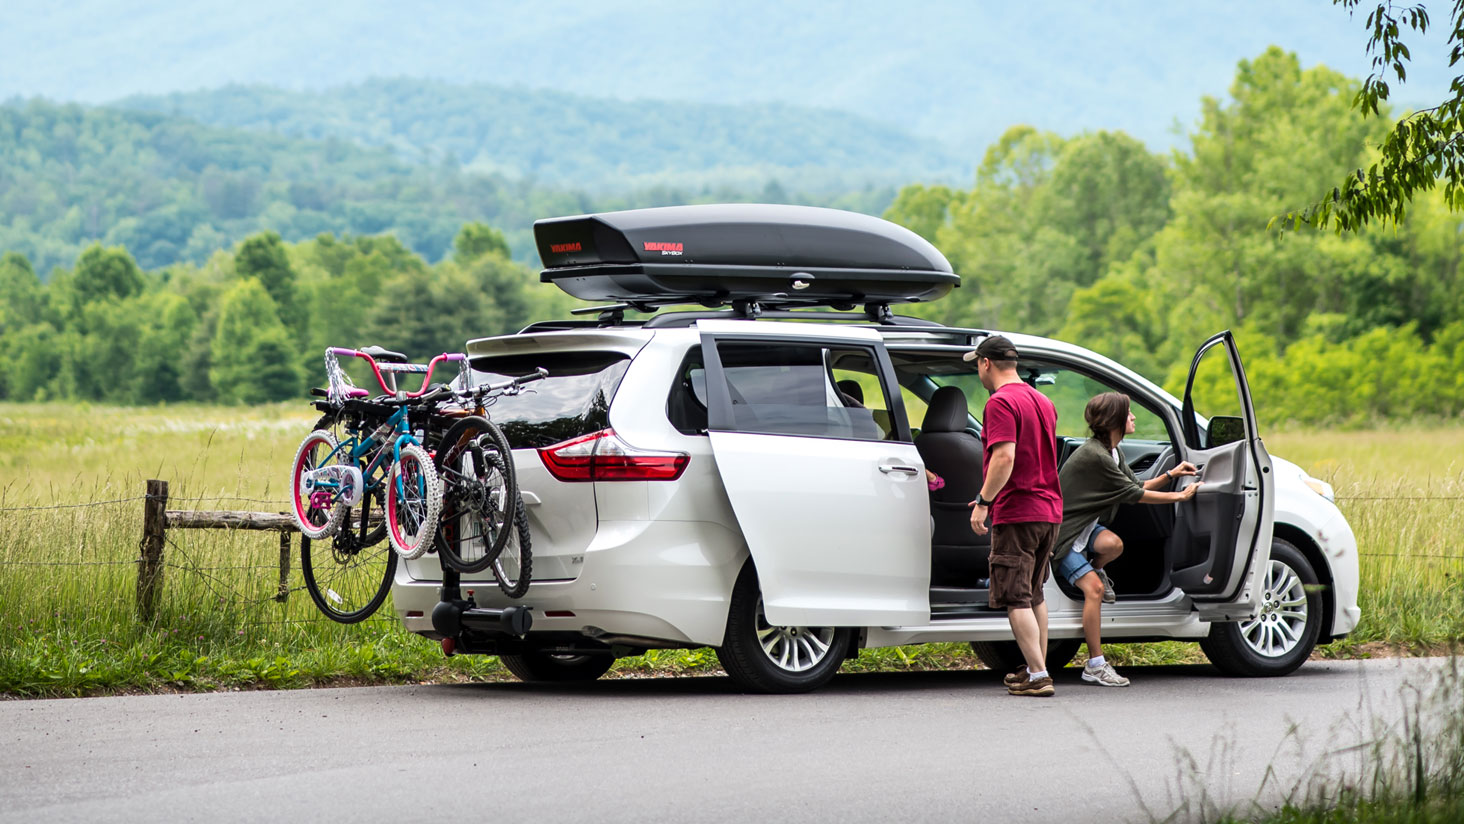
[{"x": 948, "y": 746}]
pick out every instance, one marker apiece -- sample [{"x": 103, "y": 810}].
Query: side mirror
[{"x": 1225, "y": 429}]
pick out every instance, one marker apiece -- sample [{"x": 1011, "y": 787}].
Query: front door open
[
  {"x": 815, "y": 453},
  {"x": 1222, "y": 536}
]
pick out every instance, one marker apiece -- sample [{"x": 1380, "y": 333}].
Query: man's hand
[
  {"x": 978, "y": 517},
  {"x": 1189, "y": 491}
]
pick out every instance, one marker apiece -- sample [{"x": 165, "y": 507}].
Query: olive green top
[{"x": 1093, "y": 485}]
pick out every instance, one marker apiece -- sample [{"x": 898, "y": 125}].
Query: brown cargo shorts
[{"x": 1019, "y": 557}]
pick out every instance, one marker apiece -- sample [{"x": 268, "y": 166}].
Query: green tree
[
  {"x": 253, "y": 358},
  {"x": 263, "y": 258},
  {"x": 22, "y": 297},
  {"x": 105, "y": 274},
  {"x": 475, "y": 240},
  {"x": 1418, "y": 152}
]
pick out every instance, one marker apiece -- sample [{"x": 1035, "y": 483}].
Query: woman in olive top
[{"x": 1095, "y": 480}]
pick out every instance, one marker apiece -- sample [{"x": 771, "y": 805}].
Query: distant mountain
[
  {"x": 584, "y": 142},
  {"x": 956, "y": 70},
  {"x": 171, "y": 189}
]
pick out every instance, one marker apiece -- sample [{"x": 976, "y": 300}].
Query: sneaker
[
  {"x": 1040, "y": 688},
  {"x": 1109, "y": 596},
  {"x": 1104, "y": 676},
  {"x": 1015, "y": 677}
]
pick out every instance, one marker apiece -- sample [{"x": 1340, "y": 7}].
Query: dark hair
[{"x": 1107, "y": 412}]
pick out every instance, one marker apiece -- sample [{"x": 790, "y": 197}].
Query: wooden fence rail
[{"x": 157, "y": 519}]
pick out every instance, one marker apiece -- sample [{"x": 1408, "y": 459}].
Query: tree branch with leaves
[{"x": 1423, "y": 150}]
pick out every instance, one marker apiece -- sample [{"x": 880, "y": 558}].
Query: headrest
[
  {"x": 852, "y": 389},
  {"x": 947, "y": 412}
]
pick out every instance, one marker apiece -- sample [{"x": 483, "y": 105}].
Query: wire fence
[{"x": 183, "y": 560}]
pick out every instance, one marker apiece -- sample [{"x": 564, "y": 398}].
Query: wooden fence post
[
  {"x": 154, "y": 533},
  {"x": 284, "y": 593}
]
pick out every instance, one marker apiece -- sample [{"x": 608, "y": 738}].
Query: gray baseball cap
[{"x": 994, "y": 347}]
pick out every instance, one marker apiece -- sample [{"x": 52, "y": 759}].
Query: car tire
[
  {"x": 1006, "y": 656},
  {"x": 546, "y": 667},
  {"x": 1282, "y": 637},
  {"x": 763, "y": 658}
]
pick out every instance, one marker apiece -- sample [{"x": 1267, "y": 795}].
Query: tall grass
[
  {"x": 68, "y": 623},
  {"x": 1402, "y": 491}
]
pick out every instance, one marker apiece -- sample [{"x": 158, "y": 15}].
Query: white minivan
[{"x": 749, "y": 474}]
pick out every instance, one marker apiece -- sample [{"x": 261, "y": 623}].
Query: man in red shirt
[{"x": 1021, "y": 492}]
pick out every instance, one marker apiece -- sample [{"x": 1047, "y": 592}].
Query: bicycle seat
[{"x": 384, "y": 355}]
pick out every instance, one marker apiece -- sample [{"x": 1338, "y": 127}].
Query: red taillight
[{"x": 602, "y": 456}]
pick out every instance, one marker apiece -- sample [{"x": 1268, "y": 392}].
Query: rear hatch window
[{"x": 573, "y": 401}]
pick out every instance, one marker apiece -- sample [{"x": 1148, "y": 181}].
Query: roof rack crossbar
[{"x": 679, "y": 320}]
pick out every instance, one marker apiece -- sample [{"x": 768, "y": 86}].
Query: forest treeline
[
  {"x": 251, "y": 325},
  {"x": 1092, "y": 239},
  {"x": 171, "y": 189},
  {"x": 1095, "y": 240}
]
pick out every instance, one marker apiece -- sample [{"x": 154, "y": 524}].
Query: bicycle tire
[
  {"x": 334, "y": 423},
  {"x": 412, "y": 514},
  {"x": 353, "y": 585},
  {"x": 313, "y": 522},
  {"x": 494, "y": 513},
  {"x": 518, "y": 552}
]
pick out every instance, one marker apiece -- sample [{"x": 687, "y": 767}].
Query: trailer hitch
[{"x": 451, "y": 617}]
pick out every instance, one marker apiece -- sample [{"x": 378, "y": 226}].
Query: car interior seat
[{"x": 958, "y": 555}]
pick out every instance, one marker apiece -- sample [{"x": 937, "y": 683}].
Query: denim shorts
[{"x": 1075, "y": 565}]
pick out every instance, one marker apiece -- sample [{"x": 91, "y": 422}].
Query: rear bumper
[{"x": 641, "y": 581}]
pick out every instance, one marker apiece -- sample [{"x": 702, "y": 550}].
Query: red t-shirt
[{"x": 1018, "y": 413}]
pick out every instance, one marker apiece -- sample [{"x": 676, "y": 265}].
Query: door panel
[
  {"x": 1222, "y": 536},
  {"x": 839, "y": 534},
  {"x": 836, "y": 517}
]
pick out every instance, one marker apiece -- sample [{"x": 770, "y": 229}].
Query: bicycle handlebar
[{"x": 376, "y": 370}]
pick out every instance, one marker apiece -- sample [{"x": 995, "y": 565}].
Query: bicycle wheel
[
  {"x": 413, "y": 502},
  {"x": 478, "y": 495},
  {"x": 347, "y": 582},
  {"x": 314, "y": 509},
  {"x": 514, "y": 566}
]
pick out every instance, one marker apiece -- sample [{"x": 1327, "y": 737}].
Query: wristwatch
[{"x": 980, "y": 501}]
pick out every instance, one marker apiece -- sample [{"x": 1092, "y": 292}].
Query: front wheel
[
  {"x": 413, "y": 502},
  {"x": 315, "y": 507},
  {"x": 761, "y": 657},
  {"x": 1282, "y": 636}
]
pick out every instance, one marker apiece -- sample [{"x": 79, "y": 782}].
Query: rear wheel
[
  {"x": 1283, "y": 635},
  {"x": 1006, "y": 656},
  {"x": 347, "y": 582},
  {"x": 513, "y": 567},
  {"x": 544, "y": 666},
  {"x": 761, "y": 657},
  {"x": 413, "y": 502}
]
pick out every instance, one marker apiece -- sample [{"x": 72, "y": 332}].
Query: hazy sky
[{"x": 960, "y": 71}]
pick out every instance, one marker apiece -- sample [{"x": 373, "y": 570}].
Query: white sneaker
[{"x": 1104, "y": 676}]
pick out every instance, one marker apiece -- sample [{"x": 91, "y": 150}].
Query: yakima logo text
[
  {"x": 663, "y": 248},
  {"x": 561, "y": 248}
]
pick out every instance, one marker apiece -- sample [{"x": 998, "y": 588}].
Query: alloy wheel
[
  {"x": 1282, "y": 621},
  {"x": 793, "y": 649}
]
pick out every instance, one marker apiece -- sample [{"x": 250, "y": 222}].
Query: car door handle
[{"x": 907, "y": 470}]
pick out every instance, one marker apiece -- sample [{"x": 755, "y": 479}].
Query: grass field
[{"x": 67, "y": 576}]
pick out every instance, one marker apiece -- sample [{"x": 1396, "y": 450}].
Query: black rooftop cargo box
[{"x": 712, "y": 254}]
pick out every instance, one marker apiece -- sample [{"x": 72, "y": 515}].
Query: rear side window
[
  {"x": 804, "y": 389},
  {"x": 573, "y": 401}
]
